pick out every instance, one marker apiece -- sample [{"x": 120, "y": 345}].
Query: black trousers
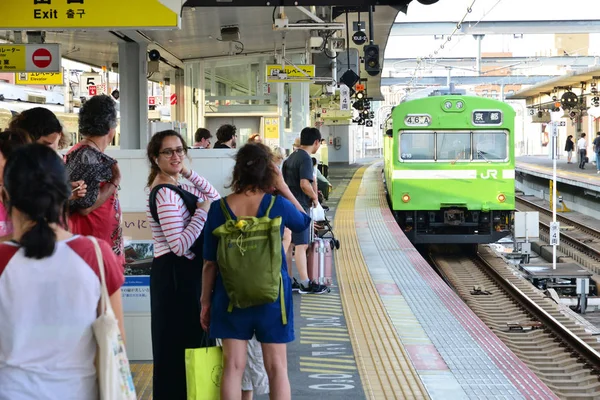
[
  {"x": 175, "y": 288},
  {"x": 582, "y": 153}
]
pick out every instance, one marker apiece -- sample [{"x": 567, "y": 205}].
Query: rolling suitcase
[{"x": 319, "y": 259}]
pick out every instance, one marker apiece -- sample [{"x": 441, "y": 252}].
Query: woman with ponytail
[{"x": 49, "y": 286}]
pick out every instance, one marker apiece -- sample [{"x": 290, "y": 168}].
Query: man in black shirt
[
  {"x": 226, "y": 135},
  {"x": 299, "y": 174},
  {"x": 596, "y": 144}
]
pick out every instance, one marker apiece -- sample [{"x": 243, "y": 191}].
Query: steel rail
[{"x": 591, "y": 356}]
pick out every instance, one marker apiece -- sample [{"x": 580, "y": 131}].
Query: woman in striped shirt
[{"x": 176, "y": 277}]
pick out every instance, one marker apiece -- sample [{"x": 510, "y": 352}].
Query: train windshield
[
  {"x": 453, "y": 146},
  {"x": 417, "y": 146},
  {"x": 490, "y": 146}
]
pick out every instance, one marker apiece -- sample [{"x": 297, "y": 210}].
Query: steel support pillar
[{"x": 133, "y": 80}]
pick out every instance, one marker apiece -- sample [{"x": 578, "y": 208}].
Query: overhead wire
[
  {"x": 443, "y": 45},
  {"x": 433, "y": 56}
]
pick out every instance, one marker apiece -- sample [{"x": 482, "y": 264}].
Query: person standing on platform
[
  {"x": 44, "y": 128},
  {"x": 176, "y": 274},
  {"x": 582, "y": 147},
  {"x": 255, "y": 138},
  {"x": 9, "y": 142},
  {"x": 597, "y": 151},
  {"x": 202, "y": 139},
  {"x": 299, "y": 175},
  {"x": 324, "y": 158},
  {"x": 98, "y": 213},
  {"x": 254, "y": 176},
  {"x": 569, "y": 147},
  {"x": 226, "y": 135},
  {"x": 49, "y": 287}
]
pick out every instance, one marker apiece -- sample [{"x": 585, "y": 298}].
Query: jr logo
[{"x": 491, "y": 174}]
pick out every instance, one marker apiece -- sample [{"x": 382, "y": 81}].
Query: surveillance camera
[{"x": 154, "y": 55}]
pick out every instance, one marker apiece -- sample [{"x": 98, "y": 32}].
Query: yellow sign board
[
  {"x": 86, "y": 14},
  {"x": 271, "y": 128},
  {"x": 298, "y": 73},
  {"x": 12, "y": 58},
  {"x": 39, "y": 78}
]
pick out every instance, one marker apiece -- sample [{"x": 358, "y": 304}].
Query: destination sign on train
[
  {"x": 487, "y": 117},
  {"x": 88, "y": 14}
]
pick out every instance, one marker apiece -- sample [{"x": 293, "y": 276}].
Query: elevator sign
[
  {"x": 88, "y": 14},
  {"x": 30, "y": 58}
]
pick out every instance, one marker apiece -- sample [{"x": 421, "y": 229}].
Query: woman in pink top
[
  {"x": 177, "y": 212},
  {"x": 9, "y": 141}
]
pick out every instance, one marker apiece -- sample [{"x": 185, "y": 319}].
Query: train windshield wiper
[{"x": 481, "y": 154}]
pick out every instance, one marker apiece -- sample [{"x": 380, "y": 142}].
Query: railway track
[
  {"x": 578, "y": 241},
  {"x": 559, "y": 351}
]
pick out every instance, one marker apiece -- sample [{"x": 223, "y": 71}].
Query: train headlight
[
  {"x": 406, "y": 198},
  {"x": 501, "y": 198}
]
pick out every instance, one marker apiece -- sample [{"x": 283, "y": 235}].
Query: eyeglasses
[{"x": 180, "y": 151}]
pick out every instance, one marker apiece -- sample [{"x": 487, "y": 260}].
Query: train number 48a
[{"x": 490, "y": 174}]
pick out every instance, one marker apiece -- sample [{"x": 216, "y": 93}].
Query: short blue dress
[{"x": 265, "y": 320}]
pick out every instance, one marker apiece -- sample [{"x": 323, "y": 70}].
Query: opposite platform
[
  {"x": 570, "y": 174},
  {"x": 409, "y": 330}
]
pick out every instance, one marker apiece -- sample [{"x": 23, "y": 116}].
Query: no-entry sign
[
  {"x": 30, "y": 58},
  {"x": 41, "y": 58}
]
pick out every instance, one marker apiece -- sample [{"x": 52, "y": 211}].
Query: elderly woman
[{"x": 99, "y": 212}]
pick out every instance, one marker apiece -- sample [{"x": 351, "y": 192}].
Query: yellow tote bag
[{"x": 203, "y": 370}]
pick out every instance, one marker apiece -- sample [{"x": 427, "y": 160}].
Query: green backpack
[{"x": 249, "y": 258}]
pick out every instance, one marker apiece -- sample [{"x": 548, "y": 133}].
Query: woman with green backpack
[{"x": 246, "y": 289}]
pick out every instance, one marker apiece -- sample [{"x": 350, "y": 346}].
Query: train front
[{"x": 450, "y": 170}]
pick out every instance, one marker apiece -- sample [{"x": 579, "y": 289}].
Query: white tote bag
[{"x": 114, "y": 375}]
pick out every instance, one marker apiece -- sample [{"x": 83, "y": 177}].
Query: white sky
[{"x": 490, "y": 10}]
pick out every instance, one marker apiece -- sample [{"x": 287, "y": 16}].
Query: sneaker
[
  {"x": 314, "y": 288},
  {"x": 295, "y": 285}
]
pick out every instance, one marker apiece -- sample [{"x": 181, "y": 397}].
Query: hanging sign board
[
  {"x": 359, "y": 38},
  {"x": 89, "y": 79},
  {"x": 298, "y": 73},
  {"x": 39, "y": 78},
  {"x": 87, "y": 14},
  {"x": 30, "y": 58},
  {"x": 344, "y": 98}
]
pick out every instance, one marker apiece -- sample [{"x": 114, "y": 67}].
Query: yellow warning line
[{"x": 384, "y": 366}]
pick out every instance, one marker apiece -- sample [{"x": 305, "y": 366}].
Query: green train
[{"x": 449, "y": 168}]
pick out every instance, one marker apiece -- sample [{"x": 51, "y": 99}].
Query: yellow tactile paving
[{"x": 384, "y": 366}]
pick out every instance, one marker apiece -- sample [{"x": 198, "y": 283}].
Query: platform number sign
[
  {"x": 417, "y": 120},
  {"x": 554, "y": 233}
]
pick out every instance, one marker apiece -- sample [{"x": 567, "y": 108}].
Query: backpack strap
[
  {"x": 188, "y": 198},
  {"x": 224, "y": 209},
  {"x": 270, "y": 205}
]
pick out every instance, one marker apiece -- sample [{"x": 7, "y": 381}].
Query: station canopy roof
[
  {"x": 200, "y": 26},
  {"x": 573, "y": 80}
]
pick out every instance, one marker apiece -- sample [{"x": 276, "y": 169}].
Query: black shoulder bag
[{"x": 190, "y": 201}]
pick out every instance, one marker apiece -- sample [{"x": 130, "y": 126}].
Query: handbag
[
  {"x": 203, "y": 370},
  {"x": 114, "y": 375}
]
